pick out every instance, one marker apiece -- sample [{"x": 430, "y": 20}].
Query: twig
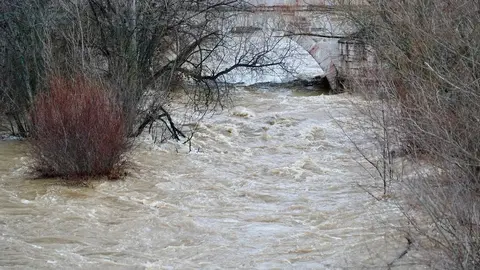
[{"x": 404, "y": 252}]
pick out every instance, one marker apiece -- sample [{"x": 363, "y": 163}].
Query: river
[{"x": 270, "y": 183}]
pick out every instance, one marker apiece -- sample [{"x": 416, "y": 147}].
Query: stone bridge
[{"x": 317, "y": 27}]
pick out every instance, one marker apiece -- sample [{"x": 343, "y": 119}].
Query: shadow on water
[
  {"x": 310, "y": 91},
  {"x": 317, "y": 86},
  {"x": 291, "y": 89}
]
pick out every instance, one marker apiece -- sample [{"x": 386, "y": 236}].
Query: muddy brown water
[{"x": 270, "y": 183}]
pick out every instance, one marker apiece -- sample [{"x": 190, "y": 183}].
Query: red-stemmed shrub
[{"x": 78, "y": 130}]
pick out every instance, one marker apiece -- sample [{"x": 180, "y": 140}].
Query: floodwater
[{"x": 269, "y": 183}]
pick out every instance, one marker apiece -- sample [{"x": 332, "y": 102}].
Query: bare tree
[
  {"x": 145, "y": 45},
  {"x": 24, "y": 33},
  {"x": 144, "y": 48},
  {"x": 428, "y": 51}
]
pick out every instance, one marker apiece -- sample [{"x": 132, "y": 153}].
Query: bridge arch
[
  {"x": 317, "y": 28},
  {"x": 325, "y": 52}
]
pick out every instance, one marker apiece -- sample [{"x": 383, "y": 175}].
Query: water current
[{"x": 269, "y": 183}]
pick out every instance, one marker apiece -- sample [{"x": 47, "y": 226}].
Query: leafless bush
[
  {"x": 79, "y": 130},
  {"x": 376, "y": 118}
]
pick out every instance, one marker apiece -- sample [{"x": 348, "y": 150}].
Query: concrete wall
[{"x": 356, "y": 60}]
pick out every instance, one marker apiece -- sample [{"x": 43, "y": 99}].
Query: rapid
[{"x": 271, "y": 182}]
